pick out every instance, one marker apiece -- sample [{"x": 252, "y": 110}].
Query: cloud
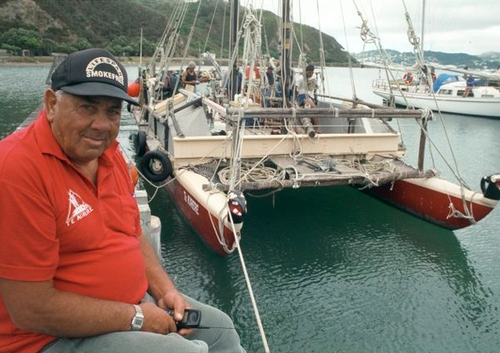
[{"x": 450, "y": 26}]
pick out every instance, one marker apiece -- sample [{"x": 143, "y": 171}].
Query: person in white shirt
[
  {"x": 302, "y": 84},
  {"x": 304, "y": 87}
]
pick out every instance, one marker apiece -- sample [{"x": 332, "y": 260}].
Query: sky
[{"x": 451, "y": 26}]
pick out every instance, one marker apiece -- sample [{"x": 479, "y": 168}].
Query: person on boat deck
[
  {"x": 189, "y": 76},
  {"x": 301, "y": 87},
  {"x": 235, "y": 79},
  {"x": 304, "y": 99},
  {"x": 169, "y": 84},
  {"x": 270, "y": 75},
  {"x": 469, "y": 86},
  {"x": 76, "y": 272},
  {"x": 312, "y": 86},
  {"x": 433, "y": 74}
]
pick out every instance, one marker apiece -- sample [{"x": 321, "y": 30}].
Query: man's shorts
[{"x": 301, "y": 99}]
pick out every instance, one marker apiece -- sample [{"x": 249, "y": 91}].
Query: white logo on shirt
[{"x": 77, "y": 208}]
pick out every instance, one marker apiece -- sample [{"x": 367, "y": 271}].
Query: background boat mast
[
  {"x": 423, "y": 30},
  {"x": 286, "y": 48}
]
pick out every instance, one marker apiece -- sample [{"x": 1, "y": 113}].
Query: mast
[
  {"x": 233, "y": 26},
  {"x": 423, "y": 28},
  {"x": 286, "y": 47},
  {"x": 140, "y": 51},
  {"x": 233, "y": 47}
]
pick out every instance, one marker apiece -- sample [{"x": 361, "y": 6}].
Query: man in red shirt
[{"x": 74, "y": 264}]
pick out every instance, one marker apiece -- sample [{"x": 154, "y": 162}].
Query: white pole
[
  {"x": 423, "y": 27},
  {"x": 140, "y": 52}
]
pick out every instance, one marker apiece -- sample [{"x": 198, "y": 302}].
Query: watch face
[{"x": 138, "y": 321}]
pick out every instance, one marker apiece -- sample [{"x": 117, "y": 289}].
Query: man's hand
[
  {"x": 174, "y": 300},
  {"x": 156, "y": 319}
]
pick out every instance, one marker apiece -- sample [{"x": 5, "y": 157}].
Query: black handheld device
[{"x": 191, "y": 318}]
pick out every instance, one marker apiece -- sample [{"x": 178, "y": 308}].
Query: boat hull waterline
[
  {"x": 472, "y": 106},
  {"x": 435, "y": 200},
  {"x": 202, "y": 211}
]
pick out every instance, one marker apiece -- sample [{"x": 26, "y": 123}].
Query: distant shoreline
[
  {"x": 48, "y": 60},
  {"x": 127, "y": 61}
]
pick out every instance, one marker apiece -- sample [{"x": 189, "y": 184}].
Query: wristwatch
[{"x": 138, "y": 319}]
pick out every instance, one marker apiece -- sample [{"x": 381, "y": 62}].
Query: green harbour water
[{"x": 332, "y": 269}]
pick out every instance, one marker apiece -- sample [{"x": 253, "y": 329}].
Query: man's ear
[{"x": 50, "y": 101}]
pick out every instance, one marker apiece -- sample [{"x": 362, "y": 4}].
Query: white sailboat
[{"x": 465, "y": 92}]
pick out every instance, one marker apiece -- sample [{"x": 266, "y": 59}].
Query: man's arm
[
  {"x": 183, "y": 77},
  {"x": 160, "y": 285},
  {"x": 39, "y": 307}
]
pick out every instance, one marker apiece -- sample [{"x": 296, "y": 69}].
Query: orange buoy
[
  {"x": 134, "y": 174},
  {"x": 133, "y": 89}
]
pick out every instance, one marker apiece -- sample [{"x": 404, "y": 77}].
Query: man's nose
[{"x": 102, "y": 120}]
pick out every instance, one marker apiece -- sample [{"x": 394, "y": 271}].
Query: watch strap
[{"x": 138, "y": 319}]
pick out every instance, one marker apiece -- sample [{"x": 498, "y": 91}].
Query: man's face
[
  {"x": 84, "y": 126},
  {"x": 309, "y": 73}
]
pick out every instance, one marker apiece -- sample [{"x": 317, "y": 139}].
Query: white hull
[
  {"x": 481, "y": 100},
  {"x": 489, "y": 107}
]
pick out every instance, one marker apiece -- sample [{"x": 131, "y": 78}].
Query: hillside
[
  {"x": 488, "y": 61},
  {"x": 46, "y": 26}
]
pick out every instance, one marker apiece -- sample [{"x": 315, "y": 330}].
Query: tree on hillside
[{"x": 17, "y": 39}]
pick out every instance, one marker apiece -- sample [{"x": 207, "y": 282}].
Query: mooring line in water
[{"x": 249, "y": 286}]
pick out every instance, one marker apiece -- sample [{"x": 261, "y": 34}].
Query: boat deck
[{"x": 280, "y": 172}]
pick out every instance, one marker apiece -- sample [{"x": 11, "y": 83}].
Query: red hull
[
  {"x": 200, "y": 220},
  {"x": 430, "y": 204}
]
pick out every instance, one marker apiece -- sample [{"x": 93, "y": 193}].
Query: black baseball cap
[{"x": 92, "y": 72}]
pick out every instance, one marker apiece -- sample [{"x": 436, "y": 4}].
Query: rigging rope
[
  {"x": 418, "y": 50},
  {"x": 368, "y": 37},
  {"x": 322, "y": 58},
  {"x": 210, "y": 28},
  {"x": 351, "y": 75},
  {"x": 249, "y": 286},
  {"x": 223, "y": 32},
  {"x": 188, "y": 44}
]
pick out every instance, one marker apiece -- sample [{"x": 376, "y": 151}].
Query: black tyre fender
[
  {"x": 484, "y": 184},
  {"x": 490, "y": 187},
  {"x": 156, "y": 166},
  {"x": 140, "y": 143}
]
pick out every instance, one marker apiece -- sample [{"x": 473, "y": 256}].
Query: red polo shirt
[{"x": 55, "y": 224}]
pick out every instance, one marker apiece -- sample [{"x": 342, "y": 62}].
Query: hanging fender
[
  {"x": 237, "y": 205},
  {"x": 140, "y": 143},
  {"x": 490, "y": 186},
  {"x": 408, "y": 78},
  {"x": 156, "y": 166}
]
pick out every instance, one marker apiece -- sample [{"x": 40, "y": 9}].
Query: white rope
[
  {"x": 220, "y": 232},
  {"x": 249, "y": 286}
]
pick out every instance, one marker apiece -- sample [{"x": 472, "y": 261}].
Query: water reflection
[
  {"x": 322, "y": 268},
  {"x": 21, "y": 89}
]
